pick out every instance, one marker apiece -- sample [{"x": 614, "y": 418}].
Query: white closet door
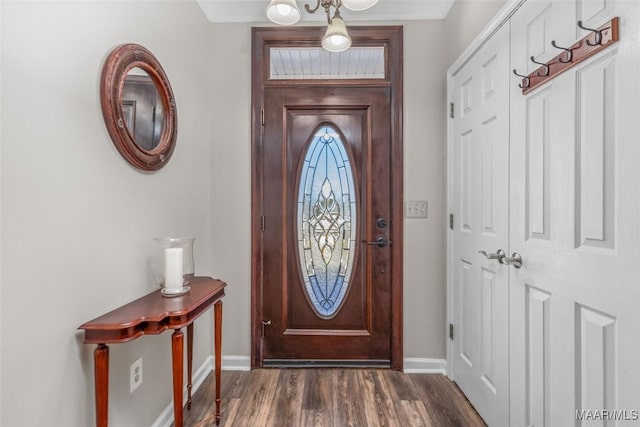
[
  {"x": 480, "y": 151},
  {"x": 575, "y": 210}
]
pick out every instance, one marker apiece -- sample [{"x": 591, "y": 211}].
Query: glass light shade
[
  {"x": 283, "y": 12},
  {"x": 161, "y": 244},
  {"x": 358, "y": 5},
  {"x": 336, "y": 39}
]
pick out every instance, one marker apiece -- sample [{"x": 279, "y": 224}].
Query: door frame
[{"x": 262, "y": 38}]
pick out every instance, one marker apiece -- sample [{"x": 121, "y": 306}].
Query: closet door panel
[
  {"x": 537, "y": 175},
  {"x": 595, "y": 154},
  {"x": 574, "y": 301},
  {"x": 539, "y": 312},
  {"x": 480, "y": 163}
]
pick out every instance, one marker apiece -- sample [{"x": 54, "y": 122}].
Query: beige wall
[
  {"x": 230, "y": 111},
  {"x": 466, "y": 19},
  {"x": 77, "y": 221},
  {"x": 424, "y": 98}
]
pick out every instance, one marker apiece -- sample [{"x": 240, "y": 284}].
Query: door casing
[{"x": 391, "y": 37}]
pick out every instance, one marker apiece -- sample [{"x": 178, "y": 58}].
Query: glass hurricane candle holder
[{"x": 173, "y": 264}]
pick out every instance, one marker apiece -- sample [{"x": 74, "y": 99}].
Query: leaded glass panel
[{"x": 326, "y": 221}]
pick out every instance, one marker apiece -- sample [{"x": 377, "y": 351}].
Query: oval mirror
[{"x": 138, "y": 107}]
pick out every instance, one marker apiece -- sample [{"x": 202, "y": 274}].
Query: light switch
[{"x": 415, "y": 209}]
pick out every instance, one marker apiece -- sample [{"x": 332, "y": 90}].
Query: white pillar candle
[{"x": 173, "y": 268}]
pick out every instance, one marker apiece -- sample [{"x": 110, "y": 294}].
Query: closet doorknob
[
  {"x": 499, "y": 255},
  {"x": 515, "y": 259}
]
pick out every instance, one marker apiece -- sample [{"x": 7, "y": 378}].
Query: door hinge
[
  {"x": 262, "y": 222},
  {"x": 451, "y": 221},
  {"x": 450, "y": 331},
  {"x": 263, "y": 325},
  {"x": 451, "y": 108},
  {"x": 262, "y": 117}
]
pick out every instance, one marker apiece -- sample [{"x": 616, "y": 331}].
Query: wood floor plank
[
  {"x": 228, "y": 414},
  {"x": 286, "y": 410},
  {"x": 233, "y": 385},
  {"x": 413, "y": 413},
  {"x": 333, "y": 398},
  {"x": 439, "y": 399},
  {"x": 317, "y": 400},
  {"x": 348, "y": 410},
  {"x": 205, "y": 397},
  {"x": 315, "y": 418},
  {"x": 379, "y": 408},
  {"x": 400, "y": 388},
  {"x": 258, "y": 398},
  {"x": 471, "y": 417}
]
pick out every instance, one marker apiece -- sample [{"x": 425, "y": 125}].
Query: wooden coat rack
[{"x": 589, "y": 45}]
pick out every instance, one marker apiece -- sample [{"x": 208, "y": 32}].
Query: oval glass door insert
[{"x": 326, "y": 221}]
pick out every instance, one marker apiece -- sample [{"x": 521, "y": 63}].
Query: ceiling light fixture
[{"x": 336, "y": 39}]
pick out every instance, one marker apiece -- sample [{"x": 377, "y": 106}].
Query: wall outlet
[
  {"x": 415, "y": 209},
  {"x": 135, "y": 375}
]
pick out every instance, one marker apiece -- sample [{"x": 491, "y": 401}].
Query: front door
[{"x": 327, "y": 236}]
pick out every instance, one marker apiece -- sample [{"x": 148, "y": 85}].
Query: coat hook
[
  {"x": 546, "y": 67},
  {"x": 569, "y": 52},
  {"x": 527, "y": 80},
  {"x": 598, "y": 33}
]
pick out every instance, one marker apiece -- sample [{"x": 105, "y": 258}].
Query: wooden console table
[{"x": 152, "y": 315}]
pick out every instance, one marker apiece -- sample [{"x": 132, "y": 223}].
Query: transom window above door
[{"x": 316, "y": 63}]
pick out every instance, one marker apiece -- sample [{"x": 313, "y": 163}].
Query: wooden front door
[
  {"x": 327, "y": 230},
  {"x": 327, "y": 185}
]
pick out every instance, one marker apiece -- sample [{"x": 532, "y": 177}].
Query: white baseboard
[
  {"x": 420, "y": 365},
  {"x": 236, "y": 363},
  {"x": 229, "y": 363}
]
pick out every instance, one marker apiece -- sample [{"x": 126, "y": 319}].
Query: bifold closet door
[
  {"x": 480, "y": 182},
  {"x": 575, "y": 214}
]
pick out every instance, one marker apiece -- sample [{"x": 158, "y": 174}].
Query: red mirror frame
[{"x": 119, "y": 62}]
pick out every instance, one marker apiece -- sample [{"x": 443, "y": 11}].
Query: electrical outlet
[
  {"x": 135, "y": 375},
  {"x": 415, "y": 209}
]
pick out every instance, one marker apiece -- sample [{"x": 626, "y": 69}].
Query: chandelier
[{"x": 336, "y": 39}]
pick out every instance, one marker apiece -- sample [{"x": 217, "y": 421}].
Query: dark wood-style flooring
[{"x": 332, "y": 398}]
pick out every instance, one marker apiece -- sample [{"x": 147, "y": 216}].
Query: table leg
[
  {"x": 217, "y": 327},
  {"x": 189, "y": 363},
  {"x": 101, "y": 372},
  {"x": 177, "y": 355}
]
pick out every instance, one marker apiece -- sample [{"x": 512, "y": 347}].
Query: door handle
[
  {"x": 499, "y": 255},
  {"x": 515, "y": 259},
  {"x": 380, "y": 242},
  {"x": 263, "y": 324}
]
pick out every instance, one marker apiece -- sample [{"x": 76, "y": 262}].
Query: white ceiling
[{"x": 384, "y": 10}]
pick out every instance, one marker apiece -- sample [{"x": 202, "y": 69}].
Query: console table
[{"x": 151, "y": 315}]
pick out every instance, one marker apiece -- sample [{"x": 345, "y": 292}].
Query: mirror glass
[{"x": 142, "y": 109}]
